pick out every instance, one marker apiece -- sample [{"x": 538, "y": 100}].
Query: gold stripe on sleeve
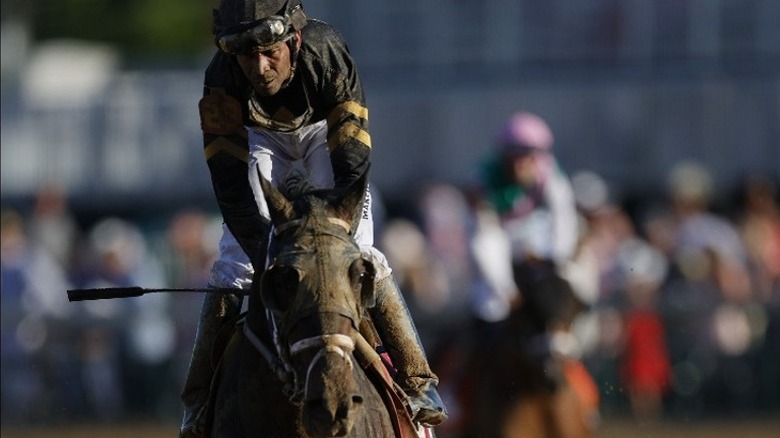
[
  {"x": 346, "y": 132},
  {"x": 343, "y": 110},
  {"x": 222, "y": 144}
]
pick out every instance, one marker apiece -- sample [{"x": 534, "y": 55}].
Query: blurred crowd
[
  {"x": 101, "y": 360},
  {"x": 683, "y": 294}
]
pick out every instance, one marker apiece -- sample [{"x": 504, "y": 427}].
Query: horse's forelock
[
  {"x": 296, "y": 185},
  {"x": 304, "y": 195}
]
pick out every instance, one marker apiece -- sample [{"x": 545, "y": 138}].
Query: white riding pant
[{"x": 278, "y": 155}]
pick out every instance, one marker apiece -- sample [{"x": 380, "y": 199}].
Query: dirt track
[{"x": 613, "y": 429}]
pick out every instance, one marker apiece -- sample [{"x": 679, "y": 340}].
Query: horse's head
[{"x": 316, "y": 288}]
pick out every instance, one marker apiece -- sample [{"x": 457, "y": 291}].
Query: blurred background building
[{"x": 630, "y": 87}]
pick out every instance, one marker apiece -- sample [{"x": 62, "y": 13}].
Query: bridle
[
  {"x": 338, "y": 343},
  {"x": 280, "y": 358},
  {"x": 280, "y": 363},
  {"x": 297, "y": 222}
]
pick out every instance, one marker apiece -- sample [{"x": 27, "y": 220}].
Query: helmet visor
[{"x": 256, "y": 34}]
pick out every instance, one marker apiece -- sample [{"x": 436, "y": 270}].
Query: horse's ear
[
  {"x": 280, "y": 209},
  {"x": 349, "y": 205}
]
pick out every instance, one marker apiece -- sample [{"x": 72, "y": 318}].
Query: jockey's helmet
[
  {"x": 524, "y": 132},
  {"x": 243, "y": 25}
]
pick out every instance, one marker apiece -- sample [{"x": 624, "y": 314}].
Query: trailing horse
[
  {"x": 524, "y": 383},
  {"x": 299, "y": 363}
]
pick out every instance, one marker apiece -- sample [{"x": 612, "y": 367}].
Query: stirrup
[{"x": 427, "y": 407}]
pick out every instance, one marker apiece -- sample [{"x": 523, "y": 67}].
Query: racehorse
[
  {"x": 302, "y": 362},
  {"x": 524, "y": 385}
]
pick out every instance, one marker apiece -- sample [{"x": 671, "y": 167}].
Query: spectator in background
[
  {"x": 759, "y": 226},
  {"x": 444, "y": 212},
  {"x": 44, "y": 278},
  {"x": 124, "y": 343},
  {"x": 22, "y": 334},
  {"x": 706, "y": 245},
  {"x": 431, "y": 263},
  {"x": 594, "y": 251},
  {"x": 189, "y": 249},
  {"x": 606, "y": 228},
  {"x": 645, "y": 365},
  {"x": 422, "y": 281},
  {"x": 709, "y": 299},
  {"x": 624, "y": 334},
  {"x": 192, "y": 238},
  {"x": 52, "y": 225}
]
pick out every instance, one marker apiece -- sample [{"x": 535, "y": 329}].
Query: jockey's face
[
  {"x": 523, "y": 168},
  {"x": 268, "y": 69}
]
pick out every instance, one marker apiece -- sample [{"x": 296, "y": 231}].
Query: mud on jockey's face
[{"x": 268, "y": 68}]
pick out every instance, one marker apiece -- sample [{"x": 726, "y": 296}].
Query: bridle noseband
[{"x": 340, "y": 344}]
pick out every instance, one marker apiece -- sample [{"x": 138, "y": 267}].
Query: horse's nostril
[
  {"x": 323, "y": 420},
  {"x": 357, "y": 400},
  {"x": 318, "y": 410}
]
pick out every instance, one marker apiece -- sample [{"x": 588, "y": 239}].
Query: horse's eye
[
  {"x": 357, "y": 273},
  {"x": 279, "y": 287},
  {"x": 361, "y": 274}
]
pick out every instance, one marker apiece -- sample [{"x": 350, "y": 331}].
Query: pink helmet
[{"x": 523, "y": 132}]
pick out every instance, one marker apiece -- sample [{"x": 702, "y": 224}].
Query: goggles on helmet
[{"x": 259, "y": 33}]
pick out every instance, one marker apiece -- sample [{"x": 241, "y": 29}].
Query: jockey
[
  {"x": 531, "y": 193},
  {"x": 282, "y": 95},
  {"x": 527, "y": 225}
]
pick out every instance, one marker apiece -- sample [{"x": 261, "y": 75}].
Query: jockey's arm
[
  {"x": 349, "y": 141},
  {"x": 227, "y": 154}
]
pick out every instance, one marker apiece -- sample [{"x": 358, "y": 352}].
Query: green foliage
[{"x": 151, "y": 28}]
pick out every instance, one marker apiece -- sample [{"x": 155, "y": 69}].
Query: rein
[{"x": 281, "y": 368}]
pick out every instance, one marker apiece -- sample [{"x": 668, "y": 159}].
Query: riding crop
[{"x": 136, "y": 291}]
